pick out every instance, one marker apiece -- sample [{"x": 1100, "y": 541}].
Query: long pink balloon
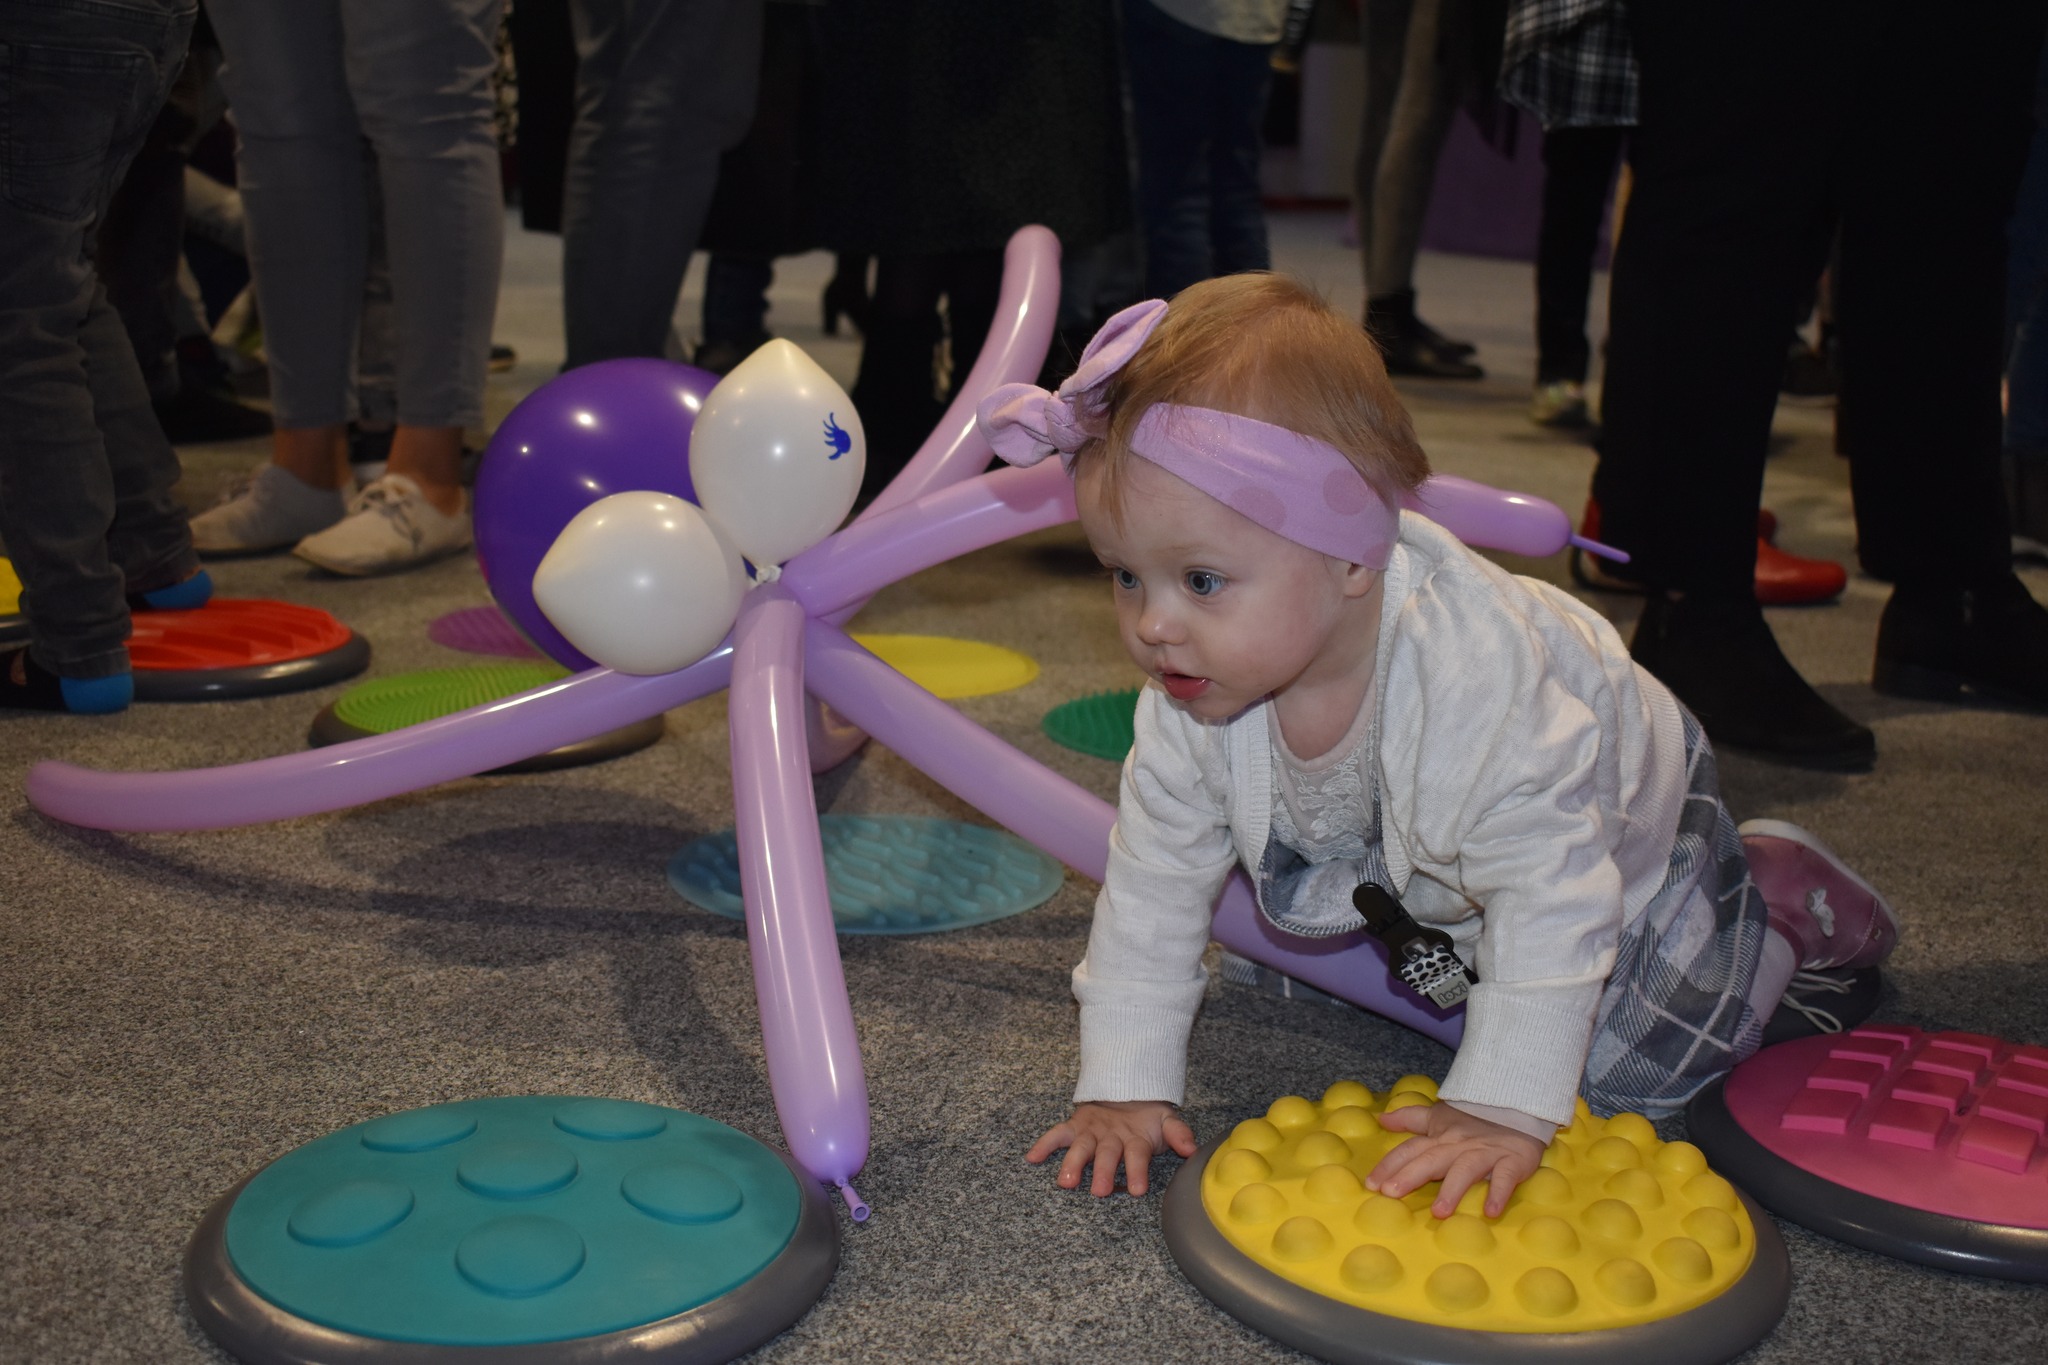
[
  {"x": 844, "y": 571},
  {"x": 814, "y": 1066},
  {"x": 370, "y": 769}
]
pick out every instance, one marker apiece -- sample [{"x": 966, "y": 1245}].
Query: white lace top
[{"x": 1322, "y": 807}]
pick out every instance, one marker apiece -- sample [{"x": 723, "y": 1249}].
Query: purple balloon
[{"x": 618, "y": 426}]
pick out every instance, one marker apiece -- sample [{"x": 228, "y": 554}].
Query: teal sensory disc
[
  {"x": 891, "y": 874},
  {"x": 514, "y": 1231}
]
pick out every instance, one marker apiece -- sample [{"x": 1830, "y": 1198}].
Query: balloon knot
[{"x": 766, "y": 573}]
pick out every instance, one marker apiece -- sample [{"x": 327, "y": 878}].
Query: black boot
[
  {"x": 1719, "y": 657},
  {"x": 1988, "y": 643},
  {"x": 1411, "y": 346}
]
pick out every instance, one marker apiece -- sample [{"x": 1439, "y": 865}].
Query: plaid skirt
[{"x": 1676, "y": 1012}]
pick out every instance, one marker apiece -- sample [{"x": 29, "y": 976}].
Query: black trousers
[
  {"x": 1765, "y": 125},
  {"x": 1578, "y": 169}
]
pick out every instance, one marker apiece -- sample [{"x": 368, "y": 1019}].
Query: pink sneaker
[{"x": 1832, "y": 916}]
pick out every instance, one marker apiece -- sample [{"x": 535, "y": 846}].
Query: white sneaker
[
  {"x": 1561, "y": 405},
  {"x": 268, "y": 511},
  {"x": 390, "y": 526}
]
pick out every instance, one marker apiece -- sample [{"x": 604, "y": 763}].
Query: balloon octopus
[{"x": 804, "y": 696}]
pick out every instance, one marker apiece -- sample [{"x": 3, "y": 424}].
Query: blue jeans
[
  {"x": 311, "y": 81},
  {"x": 1197, "y": 106},
  {"x": 85, "y": 472}
]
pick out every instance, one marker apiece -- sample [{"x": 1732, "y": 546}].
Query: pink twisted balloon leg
[
  {"x": 814, "y": 1065},
  {"x": 370, "y": 769},
  {"x": 1073, "y": 825},
  {"x": 1026, "y": 311}
]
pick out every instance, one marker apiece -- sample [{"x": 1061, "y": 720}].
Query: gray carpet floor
[{"x": 176, "y": 1010}]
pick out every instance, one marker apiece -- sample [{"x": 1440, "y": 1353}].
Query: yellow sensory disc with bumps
[{"x": 1616, "y": 1228}]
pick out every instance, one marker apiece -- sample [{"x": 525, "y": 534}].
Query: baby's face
[{"x": 1217, "y": 608}]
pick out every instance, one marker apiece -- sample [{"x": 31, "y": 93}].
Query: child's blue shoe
[
  {"x": 27, "y": 685},
  {"x": 97, "y": 696},
  {"x": 195, "y": 591}
]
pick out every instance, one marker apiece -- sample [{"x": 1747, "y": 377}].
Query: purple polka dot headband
[{"x": 1293, "y": 485}]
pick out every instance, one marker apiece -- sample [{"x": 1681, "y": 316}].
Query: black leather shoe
[
  {"x": 1987, "y": 644},
  {"x": 1720, "y": 659},
  {"x": 1411, "y": 356},
  {"x": 1411, "y": 346},
  {"x": 1443, "y": 345}
]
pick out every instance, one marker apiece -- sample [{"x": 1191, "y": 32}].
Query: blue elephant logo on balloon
[{"x": 837, "y": 437}]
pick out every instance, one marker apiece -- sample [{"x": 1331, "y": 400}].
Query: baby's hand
[
  {"x": 1127, "y": 1131},
  {"x": 1459, "y": 1149}
]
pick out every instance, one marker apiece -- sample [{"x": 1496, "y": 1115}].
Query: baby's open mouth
[{"x": 1182, "y": 686}]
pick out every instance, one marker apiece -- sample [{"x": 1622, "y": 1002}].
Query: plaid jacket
[{"x": 1569, "y": 62}]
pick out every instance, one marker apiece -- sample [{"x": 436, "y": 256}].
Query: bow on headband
[
  {"x": 1293, "y": 485},
  {"x": 1025, "y": 424}
]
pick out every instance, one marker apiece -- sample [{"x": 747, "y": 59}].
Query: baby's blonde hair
[{"x": 1262, "y": 346}]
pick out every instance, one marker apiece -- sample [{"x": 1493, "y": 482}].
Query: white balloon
[
  {"x": 641, "y": 582},
  {"x": 777, "y": 453}
]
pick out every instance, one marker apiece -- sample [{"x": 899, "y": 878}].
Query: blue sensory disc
[
  {"x": 514, "y": 1231},
  {"x": 891, "y": 874}
]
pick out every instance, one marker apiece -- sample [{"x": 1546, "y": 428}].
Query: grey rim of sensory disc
[
  {"x": 339, "y": 664},
  {"x": 1717, "y": 1330},
  {"x": 1864, "y": 1220},
  {"x": 258, "y": 1332},
  {"x": 329, "y": 728}
]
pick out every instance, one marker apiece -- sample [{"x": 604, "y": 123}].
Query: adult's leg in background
[
  {"x": 299, "y": 164},
  {"x": 1237, "y": 210},
  {"x": 419, "y": 72},
  {"x": 663, "y": 87},
  {"x": 1920, "y": 303},
  {"x": 1175, "y": 75},
  {"x": 1578, "y": 169},
  {"x": 141, "y": 240},
  {"x": 1740, "y": 114},
  {"x": 1743, "y": 106},
  {"x": 1921, "y": 423},
  {"x": 1432, "y": 79},
  {"x": 896, "y": 389},
  {"x": 82, "y": 452},
  {"x": 1383, "y": 40}
]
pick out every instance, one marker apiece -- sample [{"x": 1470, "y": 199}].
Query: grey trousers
[
  {"x": 309, "y": 82},
  {"x": 1418, "y": 56},
  {"x": 86, "y": 508},
  {"x": 663, "y": 87}
]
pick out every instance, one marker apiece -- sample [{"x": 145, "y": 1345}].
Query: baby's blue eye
[
  {"x": 1123, "y": 578},
  {"x": 1202, "y": 583}
]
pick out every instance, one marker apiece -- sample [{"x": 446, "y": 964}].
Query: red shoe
[
  {"x": 1831, "y": 916},
  {"x": 1788, "y": 580},
  {"x": 1782, "y": 579}
]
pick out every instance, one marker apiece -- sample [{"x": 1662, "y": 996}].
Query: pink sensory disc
[
  {"x": 1932, "y": 1147},
  {"x": 481, "y": 630}
]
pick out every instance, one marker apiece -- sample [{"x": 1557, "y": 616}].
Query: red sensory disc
[{"x": 240, "y": 647}]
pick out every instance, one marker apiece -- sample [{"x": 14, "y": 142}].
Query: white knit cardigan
[{"x": 1531, "y": 778}]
